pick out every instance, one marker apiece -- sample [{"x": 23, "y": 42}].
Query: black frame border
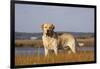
[{"x": 12, "y": 32}]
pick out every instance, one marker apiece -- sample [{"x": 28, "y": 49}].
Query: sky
[{"x": 29, "y": 18}]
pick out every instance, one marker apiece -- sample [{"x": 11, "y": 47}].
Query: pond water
[{"x": 40, "y": 51}]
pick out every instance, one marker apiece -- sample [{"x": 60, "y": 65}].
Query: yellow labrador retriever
[{"x": 51, "y": 40}]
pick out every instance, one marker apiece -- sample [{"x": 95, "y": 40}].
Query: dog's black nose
[{"x": 48, "y": 30}]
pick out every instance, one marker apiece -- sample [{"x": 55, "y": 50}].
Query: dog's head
[{"x": 47, "y": 28}]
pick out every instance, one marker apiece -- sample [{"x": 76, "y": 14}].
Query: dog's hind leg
[{"x": 72, "y": 46}]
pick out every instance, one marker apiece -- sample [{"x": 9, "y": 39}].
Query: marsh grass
[
  {"x": 38, "y": 43},
  {"x": 80, "y": 56},
  {"x": 83, "y": 56},
  {"x": 87, "y": 41},
  {"x": 30, "y": 43}
]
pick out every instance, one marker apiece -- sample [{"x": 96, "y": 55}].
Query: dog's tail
[{"x": 78, "y": 44}]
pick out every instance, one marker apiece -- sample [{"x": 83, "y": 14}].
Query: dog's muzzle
[{"x": 49, "y": 32}]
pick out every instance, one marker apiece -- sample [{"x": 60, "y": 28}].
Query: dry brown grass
[
  {"x": 32, "y": 43},
  {"x": 60, "y": 58},
  {"x": 87, "y": 41}
]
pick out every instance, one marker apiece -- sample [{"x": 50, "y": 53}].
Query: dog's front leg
[
  {"x": 55, "y": 50},
  {"x": 46, "y": 51},
  {"x": 55, "y": 47}
]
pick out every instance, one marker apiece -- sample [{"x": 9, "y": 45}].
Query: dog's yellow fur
[{"x": 51, "y": 40}]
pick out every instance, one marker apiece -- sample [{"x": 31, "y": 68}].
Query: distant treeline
[{"x": 24, "y": 35}]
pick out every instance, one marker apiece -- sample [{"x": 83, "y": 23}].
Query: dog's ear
[
  {"x": 42, "y": 26},
  {"x": 53, "y": 27}
]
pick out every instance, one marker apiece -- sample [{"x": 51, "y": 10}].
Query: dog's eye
[{"x": 50, "y": 27}]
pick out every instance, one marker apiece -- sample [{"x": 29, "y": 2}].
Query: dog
[{"x": 51, "y": 40}]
